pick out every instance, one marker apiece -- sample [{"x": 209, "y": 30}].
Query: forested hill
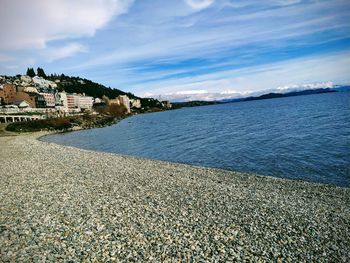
[{"x": 90, "y": 88}]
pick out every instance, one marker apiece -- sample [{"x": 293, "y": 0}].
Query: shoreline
[
  {"x": 48, "y": 133},
  {"x": 63, "y": 203}
]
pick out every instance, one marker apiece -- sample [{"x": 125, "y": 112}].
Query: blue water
[{"x": 304, "y": 137}]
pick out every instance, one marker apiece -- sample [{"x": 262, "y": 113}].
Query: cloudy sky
[{"x": 181, "y": 49}]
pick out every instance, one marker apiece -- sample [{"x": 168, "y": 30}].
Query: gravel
[{"x": 62, "y": 204}]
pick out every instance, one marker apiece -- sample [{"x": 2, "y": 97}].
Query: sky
[{"x": 181, "y": 49}]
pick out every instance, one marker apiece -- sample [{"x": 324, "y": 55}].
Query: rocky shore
[{"x": 62, "y": 204}]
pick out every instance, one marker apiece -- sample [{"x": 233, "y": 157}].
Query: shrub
[
  {"x": 116, "y": 110},
  {"x": 38, "y": 125},
  {"x": 113, "y": 110}
]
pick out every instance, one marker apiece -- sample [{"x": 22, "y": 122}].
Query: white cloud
[
  {"x": 199, "y": 4},
  {"x": 204, "y": 95},
  {"x": 229, "y": 92},
  {"x": 191, "y": 92},
  {"x": 287, "y": 2},
  {"x": 34, "y": 23},
  {"x": 166, "y": 41},
  {"x": 68, "y": 50},
  {"x": 12, "y": 67},
  {"x": 315, "y": 70},
  {"x": 298, "y": 87},
  {"x": 148, "y": 95}
]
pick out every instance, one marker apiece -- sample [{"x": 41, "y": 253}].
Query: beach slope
[{"x": 60, "y": 203}]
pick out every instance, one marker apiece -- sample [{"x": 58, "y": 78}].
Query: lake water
[{"x": 304, "y": 137}]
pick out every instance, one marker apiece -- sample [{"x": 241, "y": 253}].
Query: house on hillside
[
  {"x": 7, "y": 93},
  {"x": 135, "y": 103},
  {"x": 125, "y": 101},
  {"x": 97, "y": 101},
  {"x": 30, "y": 90},
  {"x": 43, "y": 83},
  {"x": 22, "y": 104},
  {"x": 166, "y": 104},
  {"x": 49, "y": 99}
]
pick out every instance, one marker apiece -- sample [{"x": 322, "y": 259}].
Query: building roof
[{"x": 21, "y": 103}]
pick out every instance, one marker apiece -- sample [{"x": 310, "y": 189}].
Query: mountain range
[{"x": 269, "y": 95}]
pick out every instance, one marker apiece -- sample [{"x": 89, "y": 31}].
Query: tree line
[{"x": 39, "y": 72}]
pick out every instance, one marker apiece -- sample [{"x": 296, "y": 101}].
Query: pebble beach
[{"x": 63, "y": 204}]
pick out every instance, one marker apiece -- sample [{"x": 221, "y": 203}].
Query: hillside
[
  {"x": 96, "y": 90},
  {"x": 90, "y": 88},
  {"x": 282, "y": 95}
]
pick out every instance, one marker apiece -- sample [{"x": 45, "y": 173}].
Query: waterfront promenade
[
  {"x": 60, "y": 204},
  {"x": 15, "y": 118}
]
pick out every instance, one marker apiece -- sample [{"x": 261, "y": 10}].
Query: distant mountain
[
  {"x": 176, "y": 105},
  {"x": 342, "y": 88},
  {"x": 273, "y": 95}
]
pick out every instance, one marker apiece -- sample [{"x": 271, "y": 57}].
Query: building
[
  {"x": 135, "y": 103},
  {"x": 39, "y": 100},
  {"x": 21, "y": 104},
  {"x": 85, "y": 102},
  {"x": 43, "y": 83},
  {"x": 125, "y": 101},
  {"x": 34, "y": 100},
  {"x": 72, "y": 101},
  {"x": 77, "y": 101},
  {"x": 57, "y": 99},
  {"x": 166, "y": 104},
  {"x": 63, "y": 100},
  {"x": 49, "y": 99},
  {"x": 26, "y": 79},
  {"x": 61, "y": 103},
  {"x": 7, "y": 93},
  {"x": 30, "y": 89},
  {"x": 114, "y": 101},
  {"x": 97, "y": 101},
  {"x": 24, "y": 96}
]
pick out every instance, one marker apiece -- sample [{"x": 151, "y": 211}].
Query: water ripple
[{"x": 304, "y": 138}]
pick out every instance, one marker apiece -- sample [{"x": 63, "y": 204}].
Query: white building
[
  {"x": 22, "y": 104},
  {"x": 25, "y": 81},
  {"x": 72, "y": 101},
  {"x": 64, "y": 101},
  {"x": 77, "y": 101},
  {"x": 30, "y": 89},
  {"x": 25, "y": 78},
  {"x": 85, "y": 102},
  {"x": 41, "y": 82},
  {"x": 97, "y": 100},
  {"x": 124, "y": 100},
  {"x": 135, "y": 103}
]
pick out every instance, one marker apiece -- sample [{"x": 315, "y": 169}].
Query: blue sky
[{"x": 181, "y": 49}]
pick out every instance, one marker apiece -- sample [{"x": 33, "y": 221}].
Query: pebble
[{"x": 63, "y": 204}]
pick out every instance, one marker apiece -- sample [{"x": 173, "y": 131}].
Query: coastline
[{"x": 62, "y": 203}]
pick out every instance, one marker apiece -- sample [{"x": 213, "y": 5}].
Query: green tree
[
  {"x": 30, "y": 72},
  {"x": 41, "y": 73}
]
